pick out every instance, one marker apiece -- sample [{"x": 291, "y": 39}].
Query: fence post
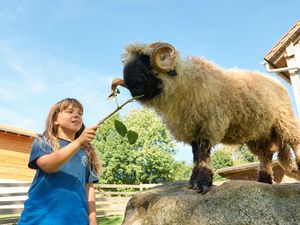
[{"x": 141, "y": 187}]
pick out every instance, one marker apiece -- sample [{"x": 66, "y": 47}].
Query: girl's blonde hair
[{"x": 50, "y": 133}]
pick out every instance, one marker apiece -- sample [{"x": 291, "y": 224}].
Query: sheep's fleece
[{"x": 203, "y": 105}]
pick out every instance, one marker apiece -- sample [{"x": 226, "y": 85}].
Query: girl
[{"x": 66, "y": 166}]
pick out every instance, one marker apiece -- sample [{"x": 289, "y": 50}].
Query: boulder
[{"x": 233, "y": 202}]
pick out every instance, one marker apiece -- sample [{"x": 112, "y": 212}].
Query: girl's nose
[{"x": 77, "y": 115}]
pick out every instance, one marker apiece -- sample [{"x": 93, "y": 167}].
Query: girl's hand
[{"x": 87, "y": 135}]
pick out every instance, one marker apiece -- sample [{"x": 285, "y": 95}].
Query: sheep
[{"x": 204, "y": 105}]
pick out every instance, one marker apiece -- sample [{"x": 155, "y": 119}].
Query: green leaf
[
  {"x": 120, "y": 128},
  {"x": 132, "y": 136},
  {"x": 117, "y": 91}
]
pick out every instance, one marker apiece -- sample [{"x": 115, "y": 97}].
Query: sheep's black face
[{"x": 141, "y": 80}]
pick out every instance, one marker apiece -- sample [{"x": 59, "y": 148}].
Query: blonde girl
[{"x": 66, "y": 167}]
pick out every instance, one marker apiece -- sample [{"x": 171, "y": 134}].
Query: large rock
[{"x": 234, "y": 202}]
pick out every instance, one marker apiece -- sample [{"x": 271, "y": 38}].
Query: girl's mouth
[{"x": 76, "y": 122}]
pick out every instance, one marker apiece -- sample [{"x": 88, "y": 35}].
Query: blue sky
[{"x": 50, "y": 50}]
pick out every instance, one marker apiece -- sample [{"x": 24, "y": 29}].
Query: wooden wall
[{"x": 14, "y": 155}]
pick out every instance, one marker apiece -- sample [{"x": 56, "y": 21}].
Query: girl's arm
[
  {"x": 52, "y": 162},
  {"x": 91, "y": 201}
]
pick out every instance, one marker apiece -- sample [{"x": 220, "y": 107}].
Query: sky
[{"x": 50, "y": 50}]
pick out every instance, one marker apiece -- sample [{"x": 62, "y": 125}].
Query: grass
[{"x": 113, "y": 220}]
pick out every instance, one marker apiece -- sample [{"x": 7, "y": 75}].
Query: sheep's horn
[
  {"x": 115, "y": 83},
  {"x": 163, "y": 57}
]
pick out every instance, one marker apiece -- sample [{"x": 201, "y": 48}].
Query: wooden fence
[{"x": 111, "y": 199}]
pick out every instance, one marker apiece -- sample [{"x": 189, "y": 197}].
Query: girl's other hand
[{"x": 87, "y": 135}]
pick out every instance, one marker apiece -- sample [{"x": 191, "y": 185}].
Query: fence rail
[{"x": 111, "y": 199}]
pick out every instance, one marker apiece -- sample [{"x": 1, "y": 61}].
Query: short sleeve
[
  {"x": 38, "y": 149},
  {"x": 92, "y": 176}
]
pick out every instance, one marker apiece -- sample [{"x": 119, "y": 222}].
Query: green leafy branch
[{"x": 120, "y": 127}]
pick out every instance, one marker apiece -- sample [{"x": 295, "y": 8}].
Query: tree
[
  {"x": 229, "y": 155},
  {"x": 150, "y": 129},
  {"x": 220, "y": 159},
  {"x": 246, "y": 154},
  {"x": 149, "y": 160},
  {"x": 183, "y": 171}
]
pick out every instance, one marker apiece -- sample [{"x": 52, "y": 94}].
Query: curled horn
[{"x": 163, "y": 57}]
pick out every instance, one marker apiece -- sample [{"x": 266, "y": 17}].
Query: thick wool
[{"x": 229, "y": 106}]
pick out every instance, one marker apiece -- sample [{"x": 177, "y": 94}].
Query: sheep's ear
[{"x": 172, "y": 73}]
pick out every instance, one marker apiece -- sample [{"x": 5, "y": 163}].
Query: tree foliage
[
  {"x": 183, "y": 171},
  {"x": 230, "y": 155},
  {"x": 246, "y": 155},
  {"x": 149, "y": 160},
  {"x": 220, "y": 159}
]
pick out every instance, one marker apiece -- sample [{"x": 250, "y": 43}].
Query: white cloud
[{"x": 39, "y": 80}]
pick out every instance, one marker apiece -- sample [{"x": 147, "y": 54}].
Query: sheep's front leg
[{"x": 202, "y": 175}]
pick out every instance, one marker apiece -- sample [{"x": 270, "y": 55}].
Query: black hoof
[
  {"x": 201, "y": 189},
  {"x": 201, "y": 179},
  {"x": 264, "y": 177}
]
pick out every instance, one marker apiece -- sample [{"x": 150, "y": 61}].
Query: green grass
[{"x": 113, "y": 220}]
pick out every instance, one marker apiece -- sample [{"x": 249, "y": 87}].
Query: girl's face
[{"x": 70, "y": 119}]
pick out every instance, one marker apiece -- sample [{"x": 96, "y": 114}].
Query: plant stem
[
  {"x": 118, "y": 109},
  {"x": 117, "y": 101}
]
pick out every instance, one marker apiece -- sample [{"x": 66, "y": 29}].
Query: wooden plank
[
  {"x": 115, "y": 193},
  {"x": 149, "y": 185},
  {"x": 14, "y": 184},
  {"x": 112, "y": 199},
  {"x": 101, "y": 186},
  {"x": 17, "y": 176},
  {"x": 112, "y": 203},
  {"x": 11, "y": 211},
  {"x": 13, "y": 194},
  {"x": 114, "y": 206},
  {"x": 109, "y": 210},
  {"x": 16, "y": 202},
  {"x": 135, "y": 186}
]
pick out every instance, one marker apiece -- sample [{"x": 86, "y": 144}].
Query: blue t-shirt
[{"x": 58, "y": 198}]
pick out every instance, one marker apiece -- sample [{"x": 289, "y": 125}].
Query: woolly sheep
[{"x": 203, "y": 105}]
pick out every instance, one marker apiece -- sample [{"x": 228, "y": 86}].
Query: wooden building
[
  {"x": 248, "y": 171},
  {"x": 15, "y": 146},
  {"x": 284, "y": 60}
]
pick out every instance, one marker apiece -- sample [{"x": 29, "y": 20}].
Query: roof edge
[{"x": 20, "y": 131}]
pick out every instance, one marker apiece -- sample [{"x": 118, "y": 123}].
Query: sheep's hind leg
[
  {"x": 265, "y": 169},
  {"x": 202, "y": 175},
  {"x": 264, "y": 149}
]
